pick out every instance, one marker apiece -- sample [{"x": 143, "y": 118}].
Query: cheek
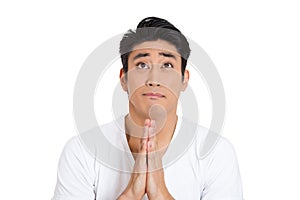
[
  {"x": 170, "y": 79},
  {"x": 135, "y": 81}
]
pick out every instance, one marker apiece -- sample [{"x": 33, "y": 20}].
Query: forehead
[{"x": 155, "y": 47}]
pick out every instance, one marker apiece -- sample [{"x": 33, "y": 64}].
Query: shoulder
[
  {"x": 73, "y": 144},
  {"x": 222, "y": 152},
  {"x": 218, "y": 159},
  {"x": 210, "y": 145},
  {"x": 75, "y": 151},
  {"x": 76, "y": 173},
  {"x": 76, "y": 161}
]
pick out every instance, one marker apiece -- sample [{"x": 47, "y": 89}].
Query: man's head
[
  {"x": 153, "y": 29},
  {"x": 154, "y": 59}
]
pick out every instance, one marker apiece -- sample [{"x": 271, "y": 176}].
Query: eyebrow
[
  {"x": 141, "y": 55},
  {"x": 169, "y": 55}
]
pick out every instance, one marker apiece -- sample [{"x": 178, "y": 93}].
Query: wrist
[
  {"x": 124, "y": 196},
  {"x": 162, "y": 195},
  {"x": 129, "y": 195}
]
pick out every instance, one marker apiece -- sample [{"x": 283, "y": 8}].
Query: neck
[{"x": 134, "y": 123}]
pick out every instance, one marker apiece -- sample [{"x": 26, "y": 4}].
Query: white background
[{"x": 254, "y": 44}]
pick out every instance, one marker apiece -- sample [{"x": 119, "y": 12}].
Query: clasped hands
[{"x": 148, "y": 175}]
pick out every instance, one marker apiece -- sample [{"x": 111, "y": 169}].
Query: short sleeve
[
  {"x": 222, "y": 176},
  {"x": 75, "y": 174}
]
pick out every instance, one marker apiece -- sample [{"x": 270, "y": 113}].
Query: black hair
[{"x": 152, "y": 29}]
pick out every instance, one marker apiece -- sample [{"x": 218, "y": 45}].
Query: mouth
[{"x": 154, "y": 95}]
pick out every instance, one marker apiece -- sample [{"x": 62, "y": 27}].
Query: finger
[
  {"x": 141, "y": 159},
  {"x": 146, "y": 128},
  {"x": 145, "y": 136},
  {"x": 144, "y": 139},
  {"x": 152, "y": 142},
  {"x": 154, "y": 157},
  {"x": 154, "y": 161},
  {"x": 147, "y": 122}
]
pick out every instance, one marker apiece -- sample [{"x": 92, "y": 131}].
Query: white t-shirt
[{"x": 81, "y": 176}]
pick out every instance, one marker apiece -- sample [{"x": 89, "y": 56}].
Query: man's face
[{"x": 154, "y": 77}]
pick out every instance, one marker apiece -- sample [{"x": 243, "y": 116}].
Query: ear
[
  {"x": 185, "y": 80},
  {"x": 123, "y": 80}
]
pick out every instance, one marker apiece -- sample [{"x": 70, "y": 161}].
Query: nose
[
  {"x": 152, "y": 80},
  {"x": 152, "y": 84}
]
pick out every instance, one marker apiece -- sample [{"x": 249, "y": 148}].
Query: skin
[{"x": 158, "y": 71}]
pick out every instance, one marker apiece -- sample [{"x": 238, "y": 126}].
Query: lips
[{"x": 154, "y": 95}]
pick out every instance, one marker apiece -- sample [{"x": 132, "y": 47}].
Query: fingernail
[
  {"x": 147, "y": 122},
  {"x": 151, "y": 132},
  {"x": 152, "y": 123}
]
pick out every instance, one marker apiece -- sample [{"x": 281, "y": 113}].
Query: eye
[
  {"x": 142, "y": 65},
  {"x": 167, "y": 65}
]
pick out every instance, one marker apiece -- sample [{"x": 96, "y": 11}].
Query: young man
[{"x": 154, "y": 59}]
